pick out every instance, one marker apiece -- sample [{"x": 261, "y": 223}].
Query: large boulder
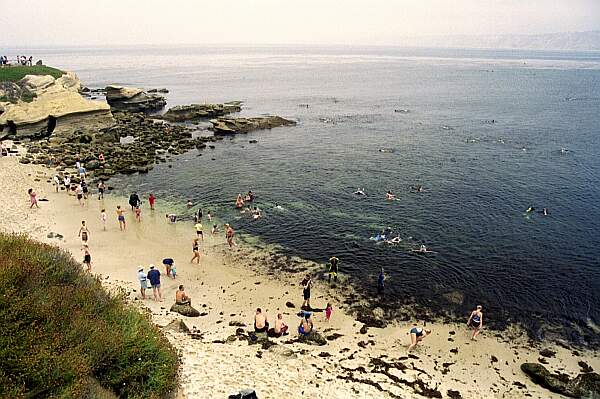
[
  {"x": 185, "y": 310},
  {"x": 584, "y": 386},
  {"x": 313, "y": 338},
  {"x": 244, "y": 394},
  {"x": 192, "y": 112},
  {"x": 227, "y": 126},
  {"x": 55, "y": 107},
  {"x": 132, "y": 99}
]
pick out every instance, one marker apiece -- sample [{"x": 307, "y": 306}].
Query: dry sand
[{"x": 228, "y": 285}]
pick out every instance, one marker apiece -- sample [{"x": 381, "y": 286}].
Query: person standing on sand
[
  {"x": 87, "y": 258},
  {"x": 328, "y": 311},
  {"x": 475, "y": 321},
  {"x": 417, "y": 334},
  {"x": 151, "y": 201},
  {"x": 79, "y": 193},
  {"x": 83, "y": 233},
  {"x": 138, "y": 213},
  {"x": 334, "y": 264},
  {"x": 103, "y": 218},
  {"x": 57, "y": 182},
  {"x": 32, "y": 198},
  {"x": 154, "y": 277},
  {"x": 229, "y": 233},
  {"x": 306, "y": 284},
  {"x": 196, "y": 251},
  {"x": 143, "y": 281},
  {"x": 121, "y": 218},
  {"x": 198, "y": 227},
  {"x": 101, "y": 188},
  {"x": 67, "y": 182},
  {"x": 134, "y": 200}
]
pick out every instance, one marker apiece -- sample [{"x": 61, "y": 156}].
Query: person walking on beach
[
  {"x": 168, "y": 262},
  {"x": 101, "y": 188},
  {"x": 83, "y": 233},
  {"x": 134, "y": 200},
  {"x": 79, "y": 193},
  {"x": 57, "y": 182},
  {"x": 103, "y": 218},
  {"x": 328, "y": 311},
  {"x": 475, "y": 321},
  {"x": 67, "y": 183},
  {"x": 181, "y": 298},
  {"x": 306, "y": 284},
  {"x": 151, "y": 201},
  {"x": 198, "y": 216},
  {"x": 334, "y": 263},
  {"x": 138, "y": 213},
  {"x": 121, "y": 217},
  {"x": 198, "y": 227},
  {"x": 87, "y": 258},
  {"x": 32, "y": 198},
  {"x": 229, "y": 233},
  {"x": 84, "y": 189},
  {"x": 143, "y": 281},
  {"x": 417, "y": 334},
  {"x": 154, "y": 277},
  {"x": 196, "y": 250},
  {"x": 380, "y": 282}
]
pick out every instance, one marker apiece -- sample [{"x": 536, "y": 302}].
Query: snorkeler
[
  {"x": 390, "y": 196},
  {"x": 360, "y": 191}
]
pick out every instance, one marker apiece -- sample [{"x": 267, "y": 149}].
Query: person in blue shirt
[{"x": 154, "y": 277}]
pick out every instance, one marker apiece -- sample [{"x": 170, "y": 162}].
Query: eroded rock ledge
[
  {"x": 227, "y": 126},
  {"x": 182, "y": 113},
  {"x": 132, "y": 99}
]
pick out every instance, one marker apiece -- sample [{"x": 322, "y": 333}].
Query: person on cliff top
[
  {"x": 151, "y": 201},
  {"x": 475, "y": 322},
  {"x": 154, "y": 277},
  {"x": 121, "y": 217},
  {"x": 143, "y": 279},
  {"x": 306, "y": 285},
  {"x": 32, "y": 198},
  {"x": 181, "y": 298},
  {"x": 101, "y": 188},
  {"x": 229, "y": 233},
  {"x": 334, "y": 265},
  {"x": 196, "y": 250},
  {"x": 417, "y": 334}
]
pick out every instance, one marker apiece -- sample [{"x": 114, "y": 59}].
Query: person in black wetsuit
[{"x": 134, "y": 200}]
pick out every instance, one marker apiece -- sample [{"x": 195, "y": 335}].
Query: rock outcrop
[
  {"x": 185, "y": 310},
  {"x": 227, "y": 126},
  {"x": 55, "y": 106},
  {"x": 313, "y": 338},
  {"x": 131, "y": 99},
  {"x": 586, "y": 385},
  {"x": 182, "y": 113}
]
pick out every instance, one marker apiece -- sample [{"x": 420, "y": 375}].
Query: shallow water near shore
[{"x": 479, "y": 176}]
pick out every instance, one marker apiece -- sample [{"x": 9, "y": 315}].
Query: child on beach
[
  {"x": 32, "y": 198},
  {"x": 120, "y": 218},
  {"x": 151, "y": 200},
  {"x": 103, "y": 218},
  {"x": 87, "y": 258},
  {"x": 173, "y": 271},
  {"x": 328, "y": 311},
  {"x": 138, "y": 214}
]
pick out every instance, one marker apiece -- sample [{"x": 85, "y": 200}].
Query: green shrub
[
  {"x": 16, "y": 73},
  {"x": 60, "y": 330}
]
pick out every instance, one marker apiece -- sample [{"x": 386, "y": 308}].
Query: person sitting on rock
[
  {"x": 280, "y": 327},
  {"x": 181, "y": 298},
  {"x": 306, "y": 325},
  {"x": 261, "y": 325}
]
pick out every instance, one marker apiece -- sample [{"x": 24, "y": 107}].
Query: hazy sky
[{"x": 111, "y": 22}]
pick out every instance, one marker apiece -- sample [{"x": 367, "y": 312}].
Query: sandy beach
[{"x": 229, "y": 284}]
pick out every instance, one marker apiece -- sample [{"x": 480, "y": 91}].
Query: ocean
[{"x": 487, "y": 133}]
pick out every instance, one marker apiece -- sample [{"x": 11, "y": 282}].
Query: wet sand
[{"x": 228, "y": 285}]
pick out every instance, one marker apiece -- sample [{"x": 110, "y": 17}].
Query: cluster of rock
[
  {"x": 182, "y": 113},
  {"x": 132, "y": 99},
  {"x": 585, "y": 385},
  {"x": 149, "y": 141},
  {"x": 228, "y": 126},
  {"x": 56, "y": 106}
]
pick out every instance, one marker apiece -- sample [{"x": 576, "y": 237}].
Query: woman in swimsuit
[
  {"x": 476, "y": 321},
  {"x": 120, "y": 218},
  {"x": 417, "y": 334},
  {"x": 196, "y": 251},
  {"x": 239, "y": 202}
]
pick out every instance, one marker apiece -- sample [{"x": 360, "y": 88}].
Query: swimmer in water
[
  {"x": 417, "y": 189},
  {"x": 239, "y": 202},
  {"x": 530, "y": 209},
  {"x": 390, "y": 196},
  {"x": 423, "y": 248},
  {"x": 544, "y": 212},
  {"x": 360, "y": 191},
  {"x": 277, "y": 206},
  {"x": 256, "y": 213}
]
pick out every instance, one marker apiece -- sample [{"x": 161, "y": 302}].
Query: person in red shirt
[{"x": 151, "y": 200}]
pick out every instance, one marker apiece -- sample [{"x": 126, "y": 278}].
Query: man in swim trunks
[
  {"x": 476, "y": 321},
  {"x": 181, "y": 298},
  {"x": 154, "y": 277},
  {"x": 83, "y": 233},
  {"x": 87, "y": 258},
  {"x": 199, "y": 233},
  {"x": 261, "y": 325},
  {"x": 121, "y": 217},
  {"x": 334, "y": 263}
]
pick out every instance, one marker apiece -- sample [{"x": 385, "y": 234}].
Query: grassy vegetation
[
  {"x": 16, "y": 73},
  {"x": 59, "y": 330}
]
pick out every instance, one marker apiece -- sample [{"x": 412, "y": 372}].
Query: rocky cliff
[{"x": 55, "y": 107}]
